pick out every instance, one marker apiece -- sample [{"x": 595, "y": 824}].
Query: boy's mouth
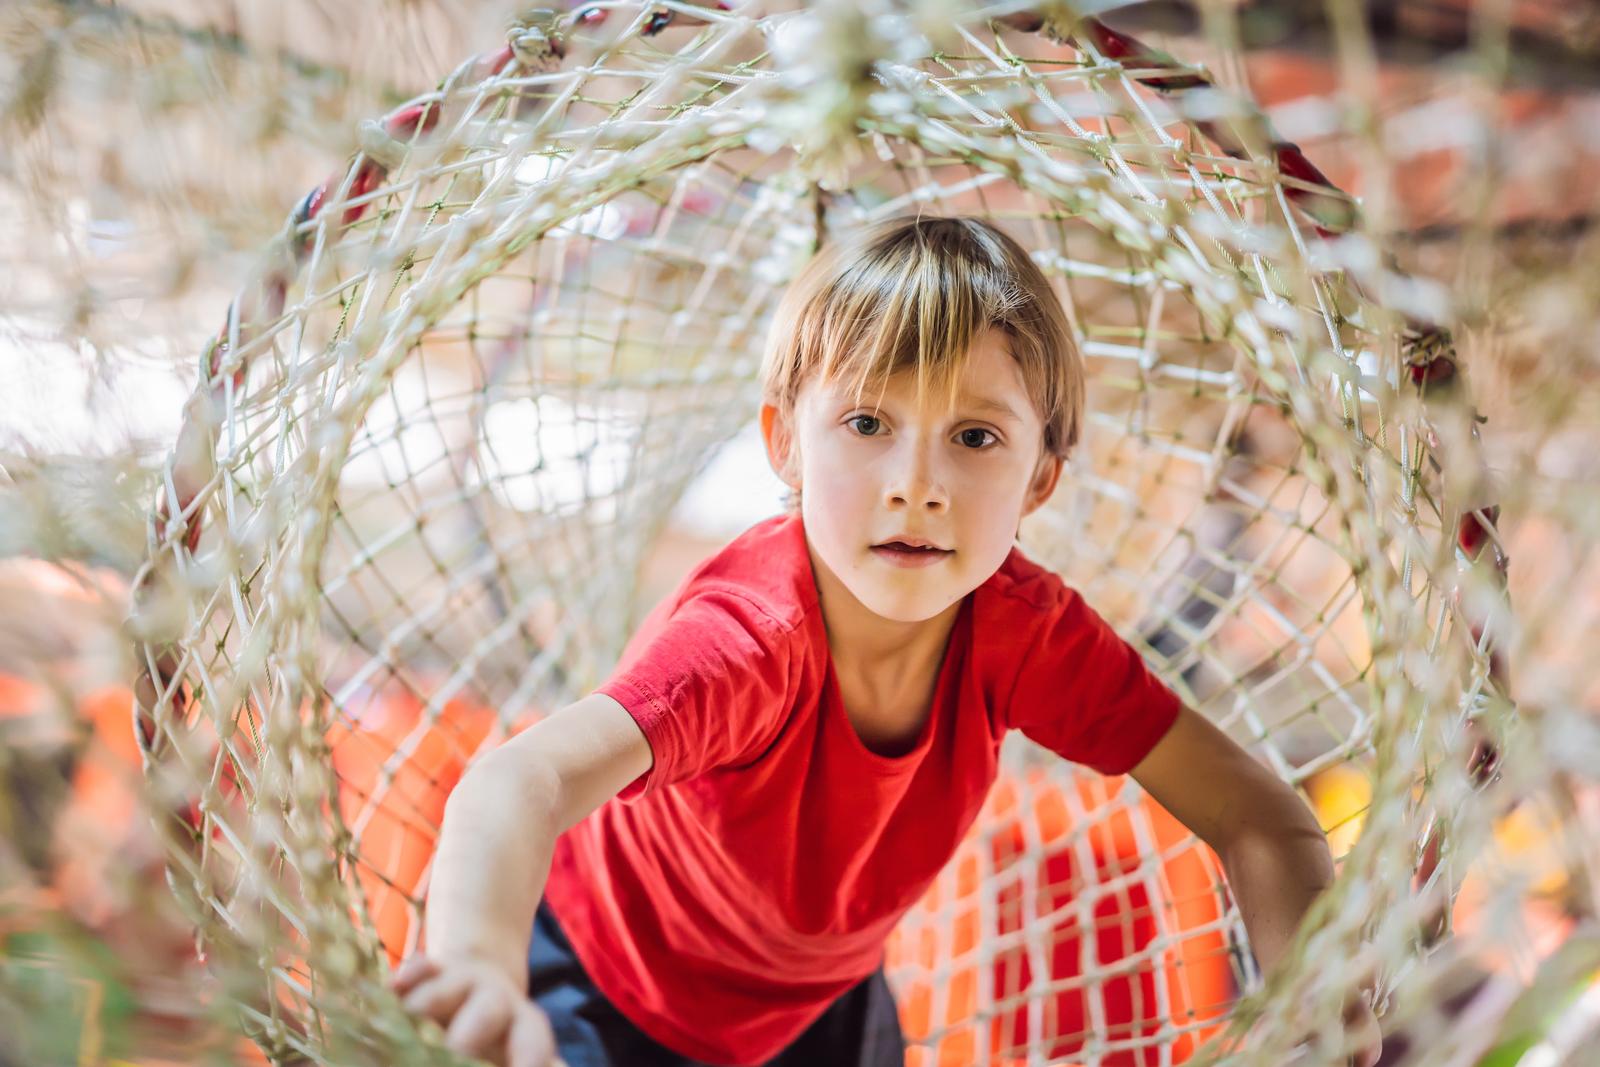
[
  {"x": 910, "y": 543},
  {"x": 909, "y": 553}
]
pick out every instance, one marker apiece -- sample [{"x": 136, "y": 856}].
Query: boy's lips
[
  {"x": 911, "y": 552},
  {"x": 909, "y": 542}
]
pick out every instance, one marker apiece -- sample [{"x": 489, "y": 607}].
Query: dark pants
[{"x": 860, "y": 1029}]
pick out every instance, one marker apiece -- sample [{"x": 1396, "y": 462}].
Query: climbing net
[{"x": 450, "y": 412}]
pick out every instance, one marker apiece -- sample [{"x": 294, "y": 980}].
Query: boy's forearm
[
  {"x": 1275, "y": 876},
  {"x": 491, "y": 865}
]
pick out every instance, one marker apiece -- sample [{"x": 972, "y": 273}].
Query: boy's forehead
[{"x": 988, "y": 398}]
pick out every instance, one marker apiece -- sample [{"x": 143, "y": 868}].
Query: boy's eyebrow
[
  {"x": 968, "y": 402},
  {"x": 994, "y": 407}
]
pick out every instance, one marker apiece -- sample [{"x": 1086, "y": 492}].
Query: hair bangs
[{"x": 906, "y": 310}]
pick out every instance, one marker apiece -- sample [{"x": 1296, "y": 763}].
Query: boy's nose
[
  {"x": 914, "y": 485},
  {"x": 927, "y": 501}
]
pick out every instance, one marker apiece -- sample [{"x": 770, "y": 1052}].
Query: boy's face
[{"x": 886, "y": 470}]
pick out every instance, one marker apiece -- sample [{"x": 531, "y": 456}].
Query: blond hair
[{"x": 914, "y": 293}]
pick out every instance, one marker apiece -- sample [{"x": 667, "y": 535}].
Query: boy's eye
[{"x": 975, "y": 438}]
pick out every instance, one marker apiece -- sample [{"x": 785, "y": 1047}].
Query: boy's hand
[
  {"x": 1362, "y": 1035},
  {"x": 484, "y": 1012},
  {"x": 1362, "y": 1027}
]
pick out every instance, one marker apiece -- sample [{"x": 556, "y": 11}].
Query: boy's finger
[
  {"x": 530, "y": 1042},
  {"x": 438, "y": 998},
  {"x": 480, "y": 1023},
  {"x": 1366, "y": 1035},
  {"x": 412, "y": 969}
]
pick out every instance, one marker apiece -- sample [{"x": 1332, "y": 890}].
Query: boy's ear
[
  {"x": 1045, "y": 477},
  {"x": 779, "y": 436}
]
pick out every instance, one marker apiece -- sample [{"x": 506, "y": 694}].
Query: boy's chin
[{"x": 900, "y": 607}]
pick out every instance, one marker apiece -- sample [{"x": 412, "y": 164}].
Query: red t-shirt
[{"x": 754, "y": 874}]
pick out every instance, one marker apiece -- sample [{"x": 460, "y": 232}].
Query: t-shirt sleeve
[
  {"x": 1086, "y": 694},
  {"x": 707, "y": 688}
]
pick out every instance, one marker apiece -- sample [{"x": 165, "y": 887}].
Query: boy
[{"x": 724, "y": 835}]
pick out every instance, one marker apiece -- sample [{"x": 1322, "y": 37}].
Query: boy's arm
[
  {"x": 501, "y": 822},
  {"x": 1275, "y": 853}
]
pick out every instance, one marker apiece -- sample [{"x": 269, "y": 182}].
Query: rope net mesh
[{"x": 449, "y": 413}]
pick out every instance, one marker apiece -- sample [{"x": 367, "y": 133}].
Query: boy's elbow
[
  {"x": 1286, "y": 827},
  {"x": 1277, "y": 813},
  {"x": 502, "y": 784}
]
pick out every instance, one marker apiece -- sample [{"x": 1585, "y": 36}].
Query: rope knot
[
  {"x": 534, "y": 48},
  {"x": 379, "y": 145}
]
